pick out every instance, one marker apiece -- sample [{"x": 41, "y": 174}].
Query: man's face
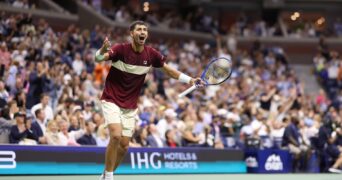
[
  {"x": 45, "y": 100},
  {"x": 139, "y": 34}
]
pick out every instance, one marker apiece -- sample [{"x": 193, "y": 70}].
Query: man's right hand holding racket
[{"x": 216, "y": 72}]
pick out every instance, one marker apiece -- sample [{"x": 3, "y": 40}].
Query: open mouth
[{"x": 141, "y": 38}]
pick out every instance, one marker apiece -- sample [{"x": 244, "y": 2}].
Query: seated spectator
[
  {"x": 69, "y": 138},
  {"x": 21, "y": 133},
  {"x": 140, "y": 138},
  {"x": 326, "y": 139},
  {"x": 3, "y": 92},
  {"x": 39, "y": 126},
  {"x": 292, "y": 141},
  {"x": 102, "y": 138},
  {"x": 74, "y": 124},
  {"x": 190, "y": 139},
  {"x": 170, "y": 137},
  {"x": 5, "y": 126},
  {"x": 168, "y": 122},
  {"x": 154, "y": 139},
  {"x": 53, "y": 137},
  {"x": 88, "y": 138}
]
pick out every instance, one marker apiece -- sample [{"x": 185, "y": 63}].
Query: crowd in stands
[
  {"x": 50, "y": 88},
  {"x": 25, "y": 4},
  {"x": 195, "y": 19}
]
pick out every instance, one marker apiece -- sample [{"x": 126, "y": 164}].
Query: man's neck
[{"x": 137, "y": 48}]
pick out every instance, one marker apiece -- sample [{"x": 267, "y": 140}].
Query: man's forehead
[{"x": 140, "y": 26}]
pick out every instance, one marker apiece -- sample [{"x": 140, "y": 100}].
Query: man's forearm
[{"x": 173, "y": 73}]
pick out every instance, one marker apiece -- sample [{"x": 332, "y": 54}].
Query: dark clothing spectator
[
  {"x": 37, "y": 130},
  {"x": 16, "y": 136},
  {"x": 37, "y": 87},
  {"x": 87, "y": 140},
  {"x": 152, "y": 141},
  {"x": 291, "y": 132}
]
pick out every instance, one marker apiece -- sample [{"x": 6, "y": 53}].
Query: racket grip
[{"x": 189, "y": 90}]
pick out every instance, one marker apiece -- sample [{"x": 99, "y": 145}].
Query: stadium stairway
[{"x": 306, "y": 76}]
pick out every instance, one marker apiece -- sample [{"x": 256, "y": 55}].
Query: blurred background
[{"x": 280, "y": 111}]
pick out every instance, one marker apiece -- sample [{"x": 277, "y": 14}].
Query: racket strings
[{"x": 218, "y": 71}]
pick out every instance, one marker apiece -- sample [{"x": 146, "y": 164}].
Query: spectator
[
  {"x": 21, "y": 133},
  {"x": 39, "y": 126},
  {"x": 70, "y": 138},
  {"x": 168, "y": 122},
  {"x": 140, "y": 138},
  {"x": 292, "y": 140},
  {"x": 170, "y": 138},
  {"x": 327, "y": 139},
  {"x": 154, "y": 139},
  {"x": 53, "y": 137},
  {"x": 88, "y": 138},
  {"x": 102, "y": 138},
  {"x": 13, "y": 109},
  {"x": 38, "y": 81},
  {"x": 78, "y": 65},
  {"x": 4, "y": 96},
  {"x": 44, "y": 106}
]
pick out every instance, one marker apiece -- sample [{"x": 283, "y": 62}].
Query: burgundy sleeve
[
  {"x": 115, "y": 52},
  {"x": 158, "y": 59}
]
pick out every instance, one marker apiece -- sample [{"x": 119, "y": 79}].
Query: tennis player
[{"x": 130, "y": 63}]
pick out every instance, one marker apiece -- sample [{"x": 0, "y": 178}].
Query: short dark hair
[
  {"x": 133, "y": 24},
  {"x": 37, "y": 112}
]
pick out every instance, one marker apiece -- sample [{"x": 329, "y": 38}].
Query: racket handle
[{"x": 189, "y": 90}]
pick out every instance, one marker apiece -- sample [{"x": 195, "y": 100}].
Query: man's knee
[
  {"x": 124, "y": 144},
  {"x": 115, "y": 139}
]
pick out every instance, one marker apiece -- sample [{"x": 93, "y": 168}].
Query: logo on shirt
[{"x": 145, "y": 62}]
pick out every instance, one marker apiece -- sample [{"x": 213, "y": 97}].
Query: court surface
[{"x": 188, "y": 177}]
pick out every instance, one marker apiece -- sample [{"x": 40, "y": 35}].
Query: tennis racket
[{"x": 216, "y": 72}]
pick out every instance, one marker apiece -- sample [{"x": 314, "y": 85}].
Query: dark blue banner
[
  {"x": 89, "y": 160},
  {"x": 268, "y": 161}
]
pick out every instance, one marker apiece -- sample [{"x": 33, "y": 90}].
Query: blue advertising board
[
  {"x": 15, "y": 159},
  {"x": 268, "y": 161}
]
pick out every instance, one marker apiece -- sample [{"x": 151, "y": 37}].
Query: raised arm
[{"x": 102, "y": 54}]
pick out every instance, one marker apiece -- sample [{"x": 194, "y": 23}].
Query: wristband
[
  {"x": 98, "y": 56},
  {"x": 184, "y": 78}
]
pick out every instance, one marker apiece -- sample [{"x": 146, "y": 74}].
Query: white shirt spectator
[
  {"x": 78, "y": 66},
  {"x": 247, "y": 130},
  {"x": 333, "y": 72},
  {"x": 159, "y": 141},
  {"x": 258, "y": 124},
  {"x": 72, "y": 137},
  {"x": 48, "y": 111},
  {"x": 102, "y": 142},
  {"x": 3, "y": 92}
]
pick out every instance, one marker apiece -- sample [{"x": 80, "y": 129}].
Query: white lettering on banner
[
  {"x": 180, "y": 156},
  {"x": 141, "y": 160},
  {"x": 132, "y": 161},
  {"x": 181, "y": 165},
  {"x": 144, "y": 158},
  {"x": 8, "y": 157},
  {"x": 170, "y": 160},
  {"x": 158, "y": 166},
  {"x": 274, "y": 163},
  {"x": 251, "y": 162}
]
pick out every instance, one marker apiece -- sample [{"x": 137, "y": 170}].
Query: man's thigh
[
  {"x": 112, "y": 116},
  {"x": 129, "y": 119}
]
